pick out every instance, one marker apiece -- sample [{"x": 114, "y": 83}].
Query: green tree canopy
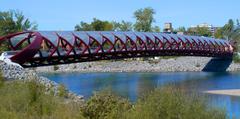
[
  {"x": 230, "y": 31},
  {"x": 122, "y": 26},
  {"x": 144, "y": 19},
  {"x": 11, "y": 22},
  {"x": 180, "y": 29},
  {"x": 199, "y": 31},
  {"x": 83, "y": 26},
  {"x": 156, "y": 29},
  {"x": 203, "y": 31},
  {"x": 219, "y": 33},
  {"x": 95, "y": 25},
  {"x": 14, "y": 21}
]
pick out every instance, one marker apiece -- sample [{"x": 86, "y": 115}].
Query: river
[{"x": 133, "y": 85}]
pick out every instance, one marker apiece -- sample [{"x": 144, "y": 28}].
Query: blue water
[{"x": 133, "y": 85}]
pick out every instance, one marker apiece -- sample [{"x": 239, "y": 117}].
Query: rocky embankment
[
  {"x": 14, "y": 72},
  {"x": 177, "y": 64}
]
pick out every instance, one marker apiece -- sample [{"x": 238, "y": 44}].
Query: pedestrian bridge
[{"x": 43, "y": 48}]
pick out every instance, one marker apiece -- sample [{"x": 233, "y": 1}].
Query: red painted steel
[{"x": 42, "y": 50}]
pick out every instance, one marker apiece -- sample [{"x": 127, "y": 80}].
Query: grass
[
  {"x": 27, "y": 100},
  {"x": 169, "y": 103}
]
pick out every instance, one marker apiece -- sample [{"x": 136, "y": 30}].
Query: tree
[
  {"x": 99, "y": 25},
  {"x": 14, "y": 21},
  {"x": 116, "y": 26},
  {"x": 228, "y": 29},
  {"x": 125, "y": 26},
  {"x": 83, "y": 26},
  {"x": 122, "y": 26},
  {"x": 156, "y": 29},
  {"x": 219, "y": 33},
  {"x": 199, "y": 31},
  {"x": 203, "y": 31},
  {"x": 181, "y": 29},
  {"x": 11, "y": 22},
  {"x": 95, "y": 25},
  {"x": 144, "y": 19}
]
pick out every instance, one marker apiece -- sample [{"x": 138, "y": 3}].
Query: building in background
[
  {"x": 168, "y": 27},
  {"x": 210, "y": 27}
]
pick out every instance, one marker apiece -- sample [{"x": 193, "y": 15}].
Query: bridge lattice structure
[{"x": 43, "y": 48}]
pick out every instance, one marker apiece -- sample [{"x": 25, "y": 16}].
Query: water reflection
[{"x": 133, "y": 85}]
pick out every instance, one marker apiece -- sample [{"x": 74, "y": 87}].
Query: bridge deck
[{"x": 48, "y": 48}]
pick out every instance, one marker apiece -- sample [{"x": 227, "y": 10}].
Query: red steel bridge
[{"x": 43, "y": 48}]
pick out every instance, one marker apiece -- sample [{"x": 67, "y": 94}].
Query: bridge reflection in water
[{"x": 42, "y": 48}]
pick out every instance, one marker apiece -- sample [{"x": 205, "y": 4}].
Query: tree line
[{"x": 144, "y": 23}]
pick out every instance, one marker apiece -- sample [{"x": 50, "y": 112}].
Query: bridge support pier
[{"x": 218, "y": 64}]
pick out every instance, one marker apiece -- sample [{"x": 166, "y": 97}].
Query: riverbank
[
  {"x": 175, "y": 64},
  {"x": 11, "y": 72}
]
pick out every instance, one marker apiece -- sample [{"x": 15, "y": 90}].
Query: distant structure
[
  {"x": 168, "y": 27},
  {"x": 180, "y": 33},
  {"x": 210, "y": 27}
]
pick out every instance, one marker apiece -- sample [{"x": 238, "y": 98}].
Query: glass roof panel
[
  {"x": 83, "y": 36},
  {"x": 151, "y": 36},
  {"x": 109, "y": 35},
  {"x": 159, "y": 36},
  {"x": 167, "y": 37},
  {"x": 131, "y": 35},
  {"x": 67, "y": 35},
  {"x": 50, "y": 35},
  {"x": 141, "y": 35},
  {"x": 96, "y": 35},
  {"x": 182, "y": 38}
]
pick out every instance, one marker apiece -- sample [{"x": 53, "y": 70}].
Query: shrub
[
  {"x": 62, "y": 91},
  {"x": 1, "y": 79},
  {"x": 169, "y": 103},
  {"x": 55, "y": 67},
  {"x": 105, "y": 105},
  {"x": 236, "y": 58},
  {"x": 24, "y": 100}
]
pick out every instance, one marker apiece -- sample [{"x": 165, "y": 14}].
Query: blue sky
[{"x": 65, "y": 14}]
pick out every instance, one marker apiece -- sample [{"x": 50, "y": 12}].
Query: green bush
[
  {"x": 169, "y": 103},
  {"x": 62, "y": 91},
  {"x": 236, "y": 58},
  {"x": 1, "y": 79},
  {"x": 55, "y": 67},
  {"x": 27, "y": 100},
  {"x": 105, "y": 105}
]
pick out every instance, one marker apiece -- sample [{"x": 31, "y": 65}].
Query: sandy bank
[{"x": 231, "y": 92}]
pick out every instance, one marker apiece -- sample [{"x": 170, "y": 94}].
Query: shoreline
[{"x": 11, "y": 72}]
